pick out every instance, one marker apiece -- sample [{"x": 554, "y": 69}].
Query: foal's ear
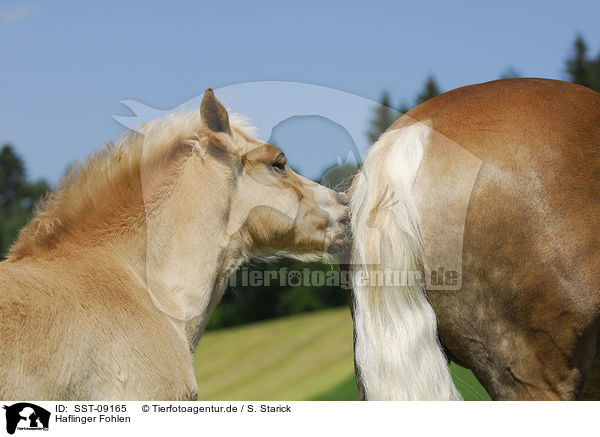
[{"x": 213, "y": 113}]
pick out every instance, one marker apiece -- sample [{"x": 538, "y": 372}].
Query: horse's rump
[{"x": 524, "y": 312}]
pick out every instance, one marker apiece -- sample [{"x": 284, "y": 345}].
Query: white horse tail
[{"x": 398, "y": 353}]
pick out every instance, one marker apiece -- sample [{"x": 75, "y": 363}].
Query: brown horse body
[{"x": 526, "y": 318}]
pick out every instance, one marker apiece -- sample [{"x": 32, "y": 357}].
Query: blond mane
[{"x": 104, "y": 193}]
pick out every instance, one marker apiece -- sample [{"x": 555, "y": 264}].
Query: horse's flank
[{"x": 526, "y": 318}]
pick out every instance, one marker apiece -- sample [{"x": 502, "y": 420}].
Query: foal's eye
[{"x": 279, "y": 163}]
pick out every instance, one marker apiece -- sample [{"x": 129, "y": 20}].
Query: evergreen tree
[
  {"x": 403, "y": 108},
  {"x": 430, "y": 90},
  {"x": 12, "y": 175},
  {"x": 509, "y": 73},
  {"x": 595, "y": 74},
  {"x": 18, "y": 197},
  {"x": 384, "y": 116},
  {"x": 578, "y": 65}
]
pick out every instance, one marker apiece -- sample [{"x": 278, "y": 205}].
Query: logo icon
[{"x": 26, "y": 416}]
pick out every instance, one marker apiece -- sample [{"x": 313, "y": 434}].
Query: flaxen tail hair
[{"x": 398, "y": 353}]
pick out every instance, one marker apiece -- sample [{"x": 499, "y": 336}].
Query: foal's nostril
[{"x": 343, "y": 198}]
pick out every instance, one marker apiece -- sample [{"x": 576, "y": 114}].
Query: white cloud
[{"x": 16, "y": 13}]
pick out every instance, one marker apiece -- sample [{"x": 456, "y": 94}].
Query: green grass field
[{"x": 304, "y": 357}]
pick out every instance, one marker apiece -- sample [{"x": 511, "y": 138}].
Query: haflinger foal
[{"x": 108, "y": 289}]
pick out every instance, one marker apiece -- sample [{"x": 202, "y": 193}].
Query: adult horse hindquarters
[
  {"x": 109, "y": 288},
  {"x": 526, "y": 317}
]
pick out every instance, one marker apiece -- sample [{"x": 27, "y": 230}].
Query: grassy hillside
[{"x": 304, "y": 357}]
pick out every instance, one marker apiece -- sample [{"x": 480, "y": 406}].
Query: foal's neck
[{"x": 189, "y": 255}]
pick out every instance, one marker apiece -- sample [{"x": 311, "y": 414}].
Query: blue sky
[{"x": 65, "y": 66}]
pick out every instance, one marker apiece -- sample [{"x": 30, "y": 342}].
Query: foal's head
[{"x": 270, "y": 209}]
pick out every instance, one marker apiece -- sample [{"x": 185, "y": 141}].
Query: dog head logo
[{"x": 26, "y": 416}]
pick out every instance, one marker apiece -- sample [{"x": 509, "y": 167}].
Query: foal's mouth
[{"x": 342, "y": 238}]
